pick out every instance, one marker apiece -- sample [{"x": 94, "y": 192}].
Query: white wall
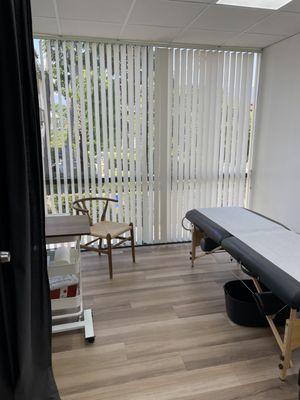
[{"x": 276, "y": 165}]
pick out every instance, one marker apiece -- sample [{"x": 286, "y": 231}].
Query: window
[{"x": 163, "y": 130}]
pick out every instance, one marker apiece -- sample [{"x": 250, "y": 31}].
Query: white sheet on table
[
  {"x": 282, "y": 248},
  {"x": 274, "y": 242},
  {"x": 238, "y": 220}
]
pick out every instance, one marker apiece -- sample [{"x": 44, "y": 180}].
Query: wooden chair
[{"x": 105, "y": 230}]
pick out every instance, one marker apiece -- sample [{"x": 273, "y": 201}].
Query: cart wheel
[{"x": 90, "y": 339}]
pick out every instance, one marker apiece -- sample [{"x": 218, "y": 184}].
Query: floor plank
[{"x": 162, "y": 333}]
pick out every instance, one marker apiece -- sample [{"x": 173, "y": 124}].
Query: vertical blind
[
  {"x": 212, "y": 105},
  {"x": 97, "y": 113},
  {"x": 161, "y": 130}
]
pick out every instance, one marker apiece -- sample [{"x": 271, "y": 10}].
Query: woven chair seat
[{"x": 103, "y": 228}]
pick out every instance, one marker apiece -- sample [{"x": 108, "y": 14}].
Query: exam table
[{"x": 267, "y": 251}]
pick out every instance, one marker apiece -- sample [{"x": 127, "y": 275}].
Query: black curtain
[{"x": 25, "y": 319}]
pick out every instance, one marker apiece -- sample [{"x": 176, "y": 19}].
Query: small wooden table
[
  {"x": 66, "y": 226},
  {"x": 62, "y": 229}
]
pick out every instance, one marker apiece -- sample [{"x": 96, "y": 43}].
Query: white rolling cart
[{"x": 68, "y": 313}]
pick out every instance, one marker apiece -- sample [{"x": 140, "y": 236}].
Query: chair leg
[
  {"x": 132, "y": 241},
  {"x": 100, "y": 246},
  {"x": 109, "y": 253}
]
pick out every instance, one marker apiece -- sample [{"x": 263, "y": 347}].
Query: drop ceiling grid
[{"x": 177, "y": 21}]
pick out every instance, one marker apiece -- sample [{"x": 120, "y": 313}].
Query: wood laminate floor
[{"x": 162, "y": 334}]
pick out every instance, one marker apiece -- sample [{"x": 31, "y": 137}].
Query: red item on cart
[
  {"x": 70, "y": 291},
  {"x": 63, "y": 286}
]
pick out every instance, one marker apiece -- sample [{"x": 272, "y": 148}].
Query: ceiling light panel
[{"x": 267, "y": 4}]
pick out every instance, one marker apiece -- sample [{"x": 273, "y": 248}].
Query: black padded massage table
[{"x": 267, "y": 250}]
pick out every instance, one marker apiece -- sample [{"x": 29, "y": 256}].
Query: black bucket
[{"x": 242, "y": 309}]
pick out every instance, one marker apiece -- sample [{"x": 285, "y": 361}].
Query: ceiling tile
[
  {"x": 281, "y": 23},
  {"x": 42, "y": 8},
  {"x": 253, "y": 40},
  {"x": 228, "y": 18},
  {"x": 151, "y": 33},
  {"x": 90, "y": 28},
  {"x": 204, "y": 36},
  {"x": 164, "y": 13},
  {"x": 293, "y": 6},
  {"x": 44, "y": 25},
  {"x": 94, "y": 10}
]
